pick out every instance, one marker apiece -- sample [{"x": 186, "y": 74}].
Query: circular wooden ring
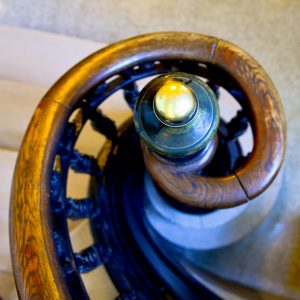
[{"x": 36, "y": 268}]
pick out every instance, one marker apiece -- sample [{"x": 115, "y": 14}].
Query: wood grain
[
  {"x": 191, "y": 189},
  {"x": 37, "y": 272},
  {"x": 269, "y": 126}
]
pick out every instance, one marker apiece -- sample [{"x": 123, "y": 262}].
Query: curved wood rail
[
  {"x": 37, "y": 272},
  {"x": 268, "y": 123},
  {"x": 269, "y": 126}
]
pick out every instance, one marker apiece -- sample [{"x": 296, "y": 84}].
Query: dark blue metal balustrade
[{"x": 122, "y": 240}]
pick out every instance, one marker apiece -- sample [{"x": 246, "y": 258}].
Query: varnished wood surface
[
  {"x": 192, "y": 189},
  {"x": 269, "y": 131},
  {"x": 37, "y": 272},
  {"x": 269, "y": 123}
]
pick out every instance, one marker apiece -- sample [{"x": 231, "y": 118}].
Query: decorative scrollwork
[{"x": 64, "y": 207}]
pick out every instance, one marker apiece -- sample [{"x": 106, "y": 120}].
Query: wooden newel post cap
[{"x": 176, "y": 115}]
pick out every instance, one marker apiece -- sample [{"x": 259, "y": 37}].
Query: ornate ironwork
[{"x": 64, "y": 207}]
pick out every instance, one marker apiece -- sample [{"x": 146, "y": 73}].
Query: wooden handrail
[
  {"x": 269, "y": 126},
  {"x": 37, "y": 271}
]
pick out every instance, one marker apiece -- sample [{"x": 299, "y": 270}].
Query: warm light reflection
[{"x": 174, "y": 101}]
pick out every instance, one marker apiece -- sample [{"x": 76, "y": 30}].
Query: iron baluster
[
  {"x": 90, "y": 258},
  {"x": 63, "y": 207},
  {"x": 79, "y": 209}
]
